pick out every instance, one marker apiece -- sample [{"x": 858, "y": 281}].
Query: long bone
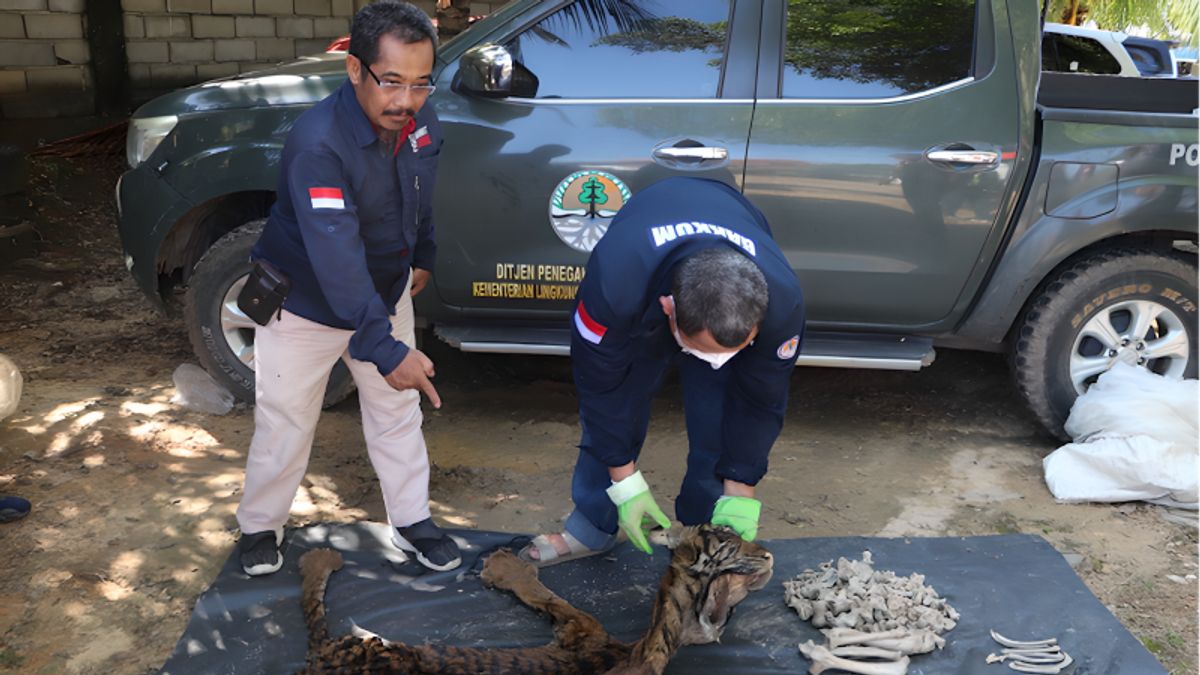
[
  {"x": 1044, "y": 670},
  {"x": 860, "y": 652},
  {"x": 839, "y": 637},
  {"x": 902, "y": 640},
  {"x": 920, "y": 642},
  {"x": 823, "y": 659},
  {"x": 1017, "y": 644}
]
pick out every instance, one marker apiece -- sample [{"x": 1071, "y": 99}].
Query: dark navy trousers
[{"x": 594, "y": 520}]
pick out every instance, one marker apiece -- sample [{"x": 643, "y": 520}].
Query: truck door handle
[
  {"x": 963, "y": 156},
  {"x": 698, "y": 153}
]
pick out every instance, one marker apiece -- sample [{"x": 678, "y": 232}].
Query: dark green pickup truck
[{"x": 929, "y": 184}]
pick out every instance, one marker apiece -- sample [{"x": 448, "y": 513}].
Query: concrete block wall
[
  {"x": 171, "y": 43},
  {"x": 43, "y": 49},
  {"x": 168, "y": 43}
]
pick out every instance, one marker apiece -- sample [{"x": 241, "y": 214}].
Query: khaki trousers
[{"x": 293, "y": 357}]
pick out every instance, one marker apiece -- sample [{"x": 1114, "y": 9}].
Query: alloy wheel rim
[
  {"x": 1141, "y": 333},
  {"x": 236, "y": 327}
]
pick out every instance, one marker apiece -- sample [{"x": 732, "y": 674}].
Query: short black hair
[
  {"x": 401, "y": 20},
  {"x": 722, "y": 290}
]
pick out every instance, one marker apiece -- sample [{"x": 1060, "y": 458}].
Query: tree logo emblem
[{"x": 582, "y": 206}]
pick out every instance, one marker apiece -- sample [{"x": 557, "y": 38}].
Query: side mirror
[{"x": 486, "y": 70}]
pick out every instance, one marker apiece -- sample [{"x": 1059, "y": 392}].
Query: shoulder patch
[
  {"x": 787, "y": 350},
  {"x": 326, "y": 198},
  {"x": 589, "y": 329}
]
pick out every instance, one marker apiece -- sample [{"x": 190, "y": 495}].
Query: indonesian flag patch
[
  {"x": 419, "y": 139},
  {"x": 326, "y": 198},
  {"x": 590, "y": 329}
]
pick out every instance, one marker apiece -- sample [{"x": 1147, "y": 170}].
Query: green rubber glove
[
  {"x": 740, "y": 513},
  {"x": 635, "y": 505}
]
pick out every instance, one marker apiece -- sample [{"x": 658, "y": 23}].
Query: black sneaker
[
  {"x": 434, "y": 548},
  {"x": 259, "y": 552}
]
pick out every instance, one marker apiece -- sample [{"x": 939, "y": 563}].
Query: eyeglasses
[{"x": 418, "y": 90}]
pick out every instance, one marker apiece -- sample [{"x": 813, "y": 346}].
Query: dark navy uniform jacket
[
  {"x": 351, "y": 218},
  {"x": 619, "y": 318}
]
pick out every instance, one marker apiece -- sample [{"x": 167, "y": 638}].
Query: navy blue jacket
[
  {"x": 618, "y": 318},
  {"x": 350, "y": 219}
]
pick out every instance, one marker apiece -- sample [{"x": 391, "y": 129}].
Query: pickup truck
[{"x": 930, "y": 185}]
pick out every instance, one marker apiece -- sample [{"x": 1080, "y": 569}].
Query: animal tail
[{"x": 315, "y": 568}]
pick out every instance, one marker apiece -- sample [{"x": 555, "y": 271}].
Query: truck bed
[{"x": 1121, "y": 94}]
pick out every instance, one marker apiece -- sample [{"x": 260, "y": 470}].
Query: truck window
[
  {"x": 1148, "y": 60},
  {"x": 1078, "y": 54},
  {"x": 875, "y": 48},
  {"x": 651, "y": 49}
]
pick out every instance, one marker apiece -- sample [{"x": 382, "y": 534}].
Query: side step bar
[{"x": 828, "y": 350}]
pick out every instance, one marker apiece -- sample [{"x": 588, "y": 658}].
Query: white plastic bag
[
  {"x": 10, "y": 387},
  {"x": 196, "y": 390},
  {"x": 1136, "y": 438}
]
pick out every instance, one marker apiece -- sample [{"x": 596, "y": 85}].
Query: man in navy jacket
[
  {"x": 352, "y": 229},
  {"x": 687, "y": 274}
]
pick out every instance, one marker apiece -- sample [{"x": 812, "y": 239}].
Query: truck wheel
[
  {"x": 222, "y": 336},
  {"x": 1136, "y": 306}
]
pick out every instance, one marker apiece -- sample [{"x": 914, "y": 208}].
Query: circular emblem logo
[
  {"x": 787, "y": 350},
  {"x": 582, "y": 206}
]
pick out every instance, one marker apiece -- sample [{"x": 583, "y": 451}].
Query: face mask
[{"x": 715, "y": 360}]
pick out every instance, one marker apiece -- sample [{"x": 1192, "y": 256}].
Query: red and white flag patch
[
  {"x": 420, "y": 138},
  {"x": 590, "y": 329},
  {"x": 326, "y": 198}
]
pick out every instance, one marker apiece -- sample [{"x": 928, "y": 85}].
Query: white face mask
[{"x": 715, "y": 360}]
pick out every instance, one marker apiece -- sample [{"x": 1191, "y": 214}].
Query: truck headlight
[{"x": 145, "y": 133}]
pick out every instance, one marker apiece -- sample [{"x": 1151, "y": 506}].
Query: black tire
[
  {"x": 1105, "y": 289},
  {"x": 224, "y": 264}
]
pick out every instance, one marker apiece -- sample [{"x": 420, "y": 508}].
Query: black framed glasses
[{"x": 392, "y": 88}]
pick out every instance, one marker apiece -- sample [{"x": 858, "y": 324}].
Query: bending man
[{"x": 689, "y": 275}]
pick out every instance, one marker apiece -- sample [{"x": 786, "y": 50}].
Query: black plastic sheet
[{"x": 1016, "y": 584}]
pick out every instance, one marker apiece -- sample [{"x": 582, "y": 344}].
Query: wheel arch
[
  {"x": 1032, "y": 263},
  {"x": 193, "y": 234},
  {"x": 1155, "y": 240}
]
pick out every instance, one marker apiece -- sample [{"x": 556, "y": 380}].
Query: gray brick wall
[
  {"x": 43, "y": 55},
  {"x": 168, "y": 43}
]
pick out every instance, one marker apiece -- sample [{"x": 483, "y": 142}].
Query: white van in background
[{"x": 1072, "y": 49}]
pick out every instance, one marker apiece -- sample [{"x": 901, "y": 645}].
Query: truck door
[
  {"x": 608, "y": 98},
  {"x": 882, "y": 151}
]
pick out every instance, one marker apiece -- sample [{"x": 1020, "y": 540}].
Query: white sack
[
  {"x": 1136, "y": 438},
  {"x": 10, "y": 387}
]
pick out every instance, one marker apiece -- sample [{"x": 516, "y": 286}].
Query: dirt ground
[{"x": 134, "y": 497}]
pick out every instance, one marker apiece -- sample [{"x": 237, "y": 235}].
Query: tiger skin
[{"x": 712, "y": 569}]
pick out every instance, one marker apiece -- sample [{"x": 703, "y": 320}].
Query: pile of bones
[{"x": 872, "y": 620}]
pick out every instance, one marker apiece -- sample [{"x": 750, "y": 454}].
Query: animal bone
[
  {"x": 848, "y": 636},
  {"x": 1017, "y": 644},
  {"x": 851, "y": 594},
  {"x": 918, "y": 642},
  {"x": 1028, "y": 656},
  {"x": 1051, "y": 649},
  {"x": 861, "y": 652},
  {"x": 823, "y": 659},
  {"x": 900, "y": 640},
  {"x": 1044, "y": 669}
]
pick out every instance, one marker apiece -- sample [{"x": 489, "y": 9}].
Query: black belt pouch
[{"x": 263, "y": 295}]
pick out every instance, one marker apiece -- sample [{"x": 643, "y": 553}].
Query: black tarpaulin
[{"x": 1016, "y": 584}]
